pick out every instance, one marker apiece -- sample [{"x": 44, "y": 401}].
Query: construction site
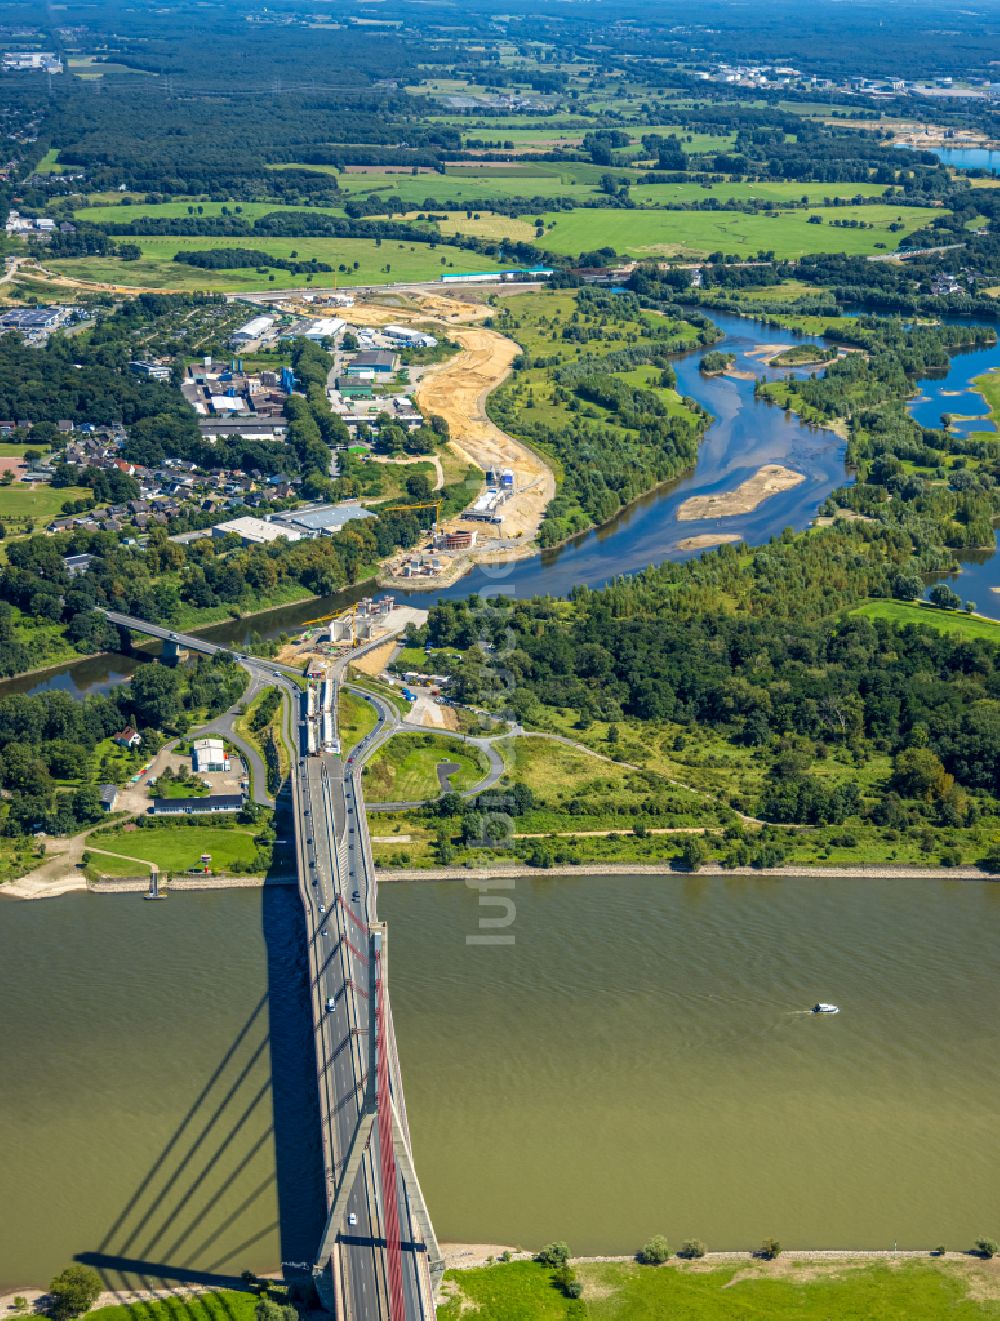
[
  {"x": 332, "y": 636},
  {"x": 502, "y": 522}
]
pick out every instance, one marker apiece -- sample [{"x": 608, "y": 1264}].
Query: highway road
[
  {"x": 342, "y": 899},
  {"x": 338, "y": 887}
]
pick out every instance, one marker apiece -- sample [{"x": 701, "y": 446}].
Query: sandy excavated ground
[
  {"x": 374, "y": 662},
  {"x": 457, "y": 390},
  {"x": 766, "y": 481},
  {"x": 706, "y": 539},
  {"x": 425, "y": 711}
]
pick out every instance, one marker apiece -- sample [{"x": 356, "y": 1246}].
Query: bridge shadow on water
[{"x": 239, "y": 1182}]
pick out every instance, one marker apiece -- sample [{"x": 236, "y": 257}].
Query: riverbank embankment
[
  {"x": 26, "y": 889},
  {"x": 503, "y": 872},
  {"x": 470, "y": 1256}
]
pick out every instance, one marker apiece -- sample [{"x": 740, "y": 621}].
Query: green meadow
[
  {"x": 697, "y": 233},
  {"x": 125, "y": 214},
  {"x": 388, "y": 263},
  {"x": 747, "y": 1291}
]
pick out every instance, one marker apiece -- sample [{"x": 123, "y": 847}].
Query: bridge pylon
[{"x": 375, "y": 1101}]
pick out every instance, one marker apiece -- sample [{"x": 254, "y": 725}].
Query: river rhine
[{"x": 637, "y": 1062}]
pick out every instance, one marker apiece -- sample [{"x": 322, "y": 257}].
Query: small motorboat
[{"x": 822, "y": 1008}]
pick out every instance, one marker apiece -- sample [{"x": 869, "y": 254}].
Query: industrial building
[
  {"x": 256, "y": 531},
  {"x": 320, "y": 520},
  {"x": 197, "y": 806},
  {"x": 460, "y": 539},
  {"x": 32, "y": 318},
  {"x": 408, "y": 337},
  {"x": 362, "y": 621},
  {"x": 525, "y": 274},
  {"x": 486, "y": 509},
  {"x": 254, "y": 329},
  {"x": 380, "y": 362},
  {"x": 153, "y": 371},
  {"x": 324, "y": 328},
  {"x": 209, "y": 754}
]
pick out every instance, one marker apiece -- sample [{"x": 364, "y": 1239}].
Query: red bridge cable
[{"x": 387, "y": 1156}]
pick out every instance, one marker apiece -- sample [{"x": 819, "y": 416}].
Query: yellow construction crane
[
  {"x": 325, "y": 619},
  {"x": 426, "y": 504}
]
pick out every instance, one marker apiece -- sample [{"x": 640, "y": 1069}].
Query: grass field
[
  {"x": 988, "y": 386},
  {"x": 405, "y": 768},
  {"x": 669, "y": 194},
  {"x": 480, "y": 224},
  {"x": 524, "y": 137},
  {"x": 49, "y": 164},
  {"x": 387, "y": 264},
  {"x": 613, "y": 1291},
  {"x": 355, "y": 719},
  {"x": 89, "y": 66},
  {"x": 118, "y": 214},
  {"x": 225, "y": 1305},
  {"x": 945, "y": 621},
  {"x": 676, "y": 233},
  {"x": 24, "y": 500},
  {"x": 177, "y": 846},
  {"x": 468, "y": 182}
]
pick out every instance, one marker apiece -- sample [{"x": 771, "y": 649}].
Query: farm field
[
  {"x": 677, "y": 233},
  {"x": 669, "y": 194},
  {"x": 470, "y": 183},
  {"x": 393, "y": 261},
  {"x": 524, "y": 137},
  {"x": 481, "y": 224},
  {"x": 124, "y": 215},
  {"x": 89, "y": 66}
]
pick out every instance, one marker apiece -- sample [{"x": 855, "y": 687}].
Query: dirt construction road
[{"x": 457, "y": 390}]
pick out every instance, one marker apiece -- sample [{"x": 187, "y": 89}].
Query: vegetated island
[
  {"x": 767, "y": 481},
  {"x": 715, "y": 363},
  {"x": 802, "y": 355}
]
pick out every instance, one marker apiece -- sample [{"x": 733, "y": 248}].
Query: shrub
[
  {"x": 553, "y": 1254},
  {"x": 565, "y": 1280},
  {"x": 692, "y": 1248},
  {"x": 655, "y": 1252},
  {"x": 770, "y": 1249},
  {"x": 987, "y": 1247}
]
